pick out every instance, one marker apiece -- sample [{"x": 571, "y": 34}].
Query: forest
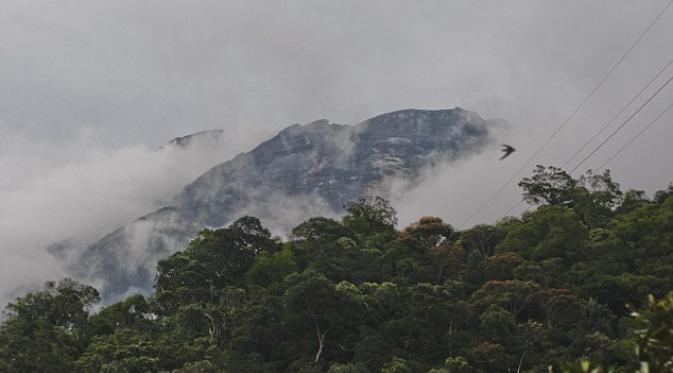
[{"x": 581, "y": 282}]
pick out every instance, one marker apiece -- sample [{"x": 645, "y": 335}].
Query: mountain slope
[{"x": 303, "y": 171}]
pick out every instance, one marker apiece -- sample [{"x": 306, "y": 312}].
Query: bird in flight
[{"x": 507, "y": 150}]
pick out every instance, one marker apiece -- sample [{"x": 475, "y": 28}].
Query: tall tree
[{"x": 47, "y": 330}]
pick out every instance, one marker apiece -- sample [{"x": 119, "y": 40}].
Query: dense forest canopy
[{"x": 580, "y": 282}]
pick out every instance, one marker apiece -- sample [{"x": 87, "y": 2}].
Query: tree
[
  {"x": 497, "y": 325},
  {"x": 430, "y": 243},
  {"x": 271, "y": 268},
  {"x": 482, "y": 238},
  {"x": 458, "y": 365},
  {"x": 372, "y": 220},
  {"x": 550, "y": 185},
  {"x": 428, "y": 235},
  {"x": 123, "y": 351},
  {"x": 501, "y": 266},
  {"x": 549, "y": 232},
  {"x": 655, "y": 334},
  {"x": 204, "y": 366},
  {"x": 315, "y": 307},
  {"x": 597, "y": 197},
  {"x": 357, "y": 296},
  {"x": 47, "y": 330},
  {"x": 490, "y": 357},
  {"x": 347, "y": 368},
  {"x": 132, "y": 312},
  {"x": 592, "y": 196},
  {"x": 632, "y": 198},
  {"x": 320, "y": 229},
  {"x": 396, "y": 365},
  {"x": 214, "y": 260},
  {"x": 512, "y": 295}
]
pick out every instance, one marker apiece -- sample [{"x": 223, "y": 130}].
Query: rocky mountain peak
[{"x": 303, "y": 171}]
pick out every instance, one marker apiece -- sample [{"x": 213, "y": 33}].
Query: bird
[{"x": 507, "y": 149}]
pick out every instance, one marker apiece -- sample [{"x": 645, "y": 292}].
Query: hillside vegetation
[{"x": 581, "y": 282}]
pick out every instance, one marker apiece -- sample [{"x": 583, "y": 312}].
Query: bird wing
[{"x": 507, "y": 149}]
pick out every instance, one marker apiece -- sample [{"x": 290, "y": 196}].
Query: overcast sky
[{"x": 89, "y": 87}]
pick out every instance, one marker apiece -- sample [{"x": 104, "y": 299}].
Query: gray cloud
[
  {"x": 89, "y": 89},
  {"x": 80, "y": 201}
]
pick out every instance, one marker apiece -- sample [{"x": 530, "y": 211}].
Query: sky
[{"x": 89, "y": 90}]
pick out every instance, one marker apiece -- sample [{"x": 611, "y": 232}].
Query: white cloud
[{"x": 83, "y": 199}]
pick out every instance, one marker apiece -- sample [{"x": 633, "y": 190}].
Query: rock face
[
  {"x": 305, "y": 170},
  {"x": 210, "y": 137}
]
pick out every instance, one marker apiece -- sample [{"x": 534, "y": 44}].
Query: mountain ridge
[{"x": 304, "y": 170}]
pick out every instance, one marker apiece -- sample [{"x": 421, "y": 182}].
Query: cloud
[
  {"x": 152, "y": 71},
  {"x": 82, "y": 199}
]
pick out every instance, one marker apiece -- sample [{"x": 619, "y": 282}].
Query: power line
[
  {"x": 635, "y": 137},
  {"x": 623, "y": 124},
  {"x": 510, "y": 209},
  {"x": 572, "y": 115},
  {"x": 652, "y": 122},
  {"x": 645, "y": 87}
]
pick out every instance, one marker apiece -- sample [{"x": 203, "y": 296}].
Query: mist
[{"x": 83, "y": 196}]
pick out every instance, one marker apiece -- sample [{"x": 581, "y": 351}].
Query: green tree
[
  {"x": 655, "y": 334},
  {"x": 132, "y": 312},
  {"x": 319, "y": 312},
  {"x": 47, "y": 330},
  {"x": 430, "y": 243},
  {"x": 396, "y": 365},
  {"x": 213, "y": 261},
  {"x": 372, "y": 220},
  {"x": 550, "y": 185},
  {"x": 550, "y": 231},
  {"x": 483, "y": 238},
  {"x": 517, "y": 297}
]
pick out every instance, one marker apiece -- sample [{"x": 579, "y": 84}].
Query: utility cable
[
  {"x": 635, "y": 137},
  {"x": 650, "y": 124},
  {"x": 613, "y": 156},
  {"x": 572, "y": 115},
  {"x": 623, "y": 124},
  {"x": 645, "y": 87}
]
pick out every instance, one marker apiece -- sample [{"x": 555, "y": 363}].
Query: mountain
[
  {"x": 198, "y": 139},
  {"x": 303, "y": 171},
  {"x": 170, "y": 168}
]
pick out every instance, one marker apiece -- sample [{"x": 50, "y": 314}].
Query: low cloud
[{"x": 80, "y": 199}]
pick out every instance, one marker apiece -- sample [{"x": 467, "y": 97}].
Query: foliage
[
  {"x": 46, "y": 330},
  {"x": 655, "y": 334},
  {"x": 581, "y": 283}
]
